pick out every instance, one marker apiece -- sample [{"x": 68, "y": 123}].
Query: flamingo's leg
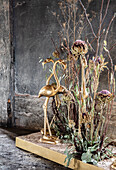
[
  {"x": 45, "y": 117},
  {"x": 49, "y": 127},
  {"x": 52, "y": 120}
]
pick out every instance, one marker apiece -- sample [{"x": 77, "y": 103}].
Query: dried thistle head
[
  {"x": 104, "y": 96},
  {"x": 79, "y": 48}
]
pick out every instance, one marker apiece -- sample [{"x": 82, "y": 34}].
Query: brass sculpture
[
  {"x": 62, "y": 89},
  {"x": 50, "y": 91}
]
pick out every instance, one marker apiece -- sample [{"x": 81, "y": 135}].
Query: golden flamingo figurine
[
  {"x": 50, "y": 91},
  {"x": 62, "y": 88}
]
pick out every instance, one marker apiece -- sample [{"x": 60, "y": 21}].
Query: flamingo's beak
[
  {"x": 43, "y": 63},
  {"x": 39, "y": 95}
]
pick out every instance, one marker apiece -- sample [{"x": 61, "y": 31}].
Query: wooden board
[{"x": 51, "y": 152}]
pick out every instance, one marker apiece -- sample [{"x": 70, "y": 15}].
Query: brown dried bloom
[
  {"x": 104, "y": 96},
  {"x": 79, "y": 48}
]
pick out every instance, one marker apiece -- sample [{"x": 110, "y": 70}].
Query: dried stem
[
  {"x": 68, "y": 26},
  {"x": 80, "y": 115},
  {"x": 87, "y": 18},
  {"x": 74, "y": 19},
  {"x": 109, "y": 26},
  {"x": 112, "y": 47},
  {"x": 99, "y": 30},
  {"x": 113, "y": 90},
  {"x": 99, "y": 124},
  {"x": 106, "y": 11},
  {"x": 56, "y": 48},
  {"x": 106, "y": 125}
]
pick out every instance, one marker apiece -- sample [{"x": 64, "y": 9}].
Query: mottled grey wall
[
  {"x": 34, "y": 26},
  {"x": 29, "y": 112},
  {"x": 5, "y": 59}
]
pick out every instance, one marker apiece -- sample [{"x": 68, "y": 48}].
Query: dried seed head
[
  {"x": 79, "y": 48},
  {"x": 105, "y": 96}
]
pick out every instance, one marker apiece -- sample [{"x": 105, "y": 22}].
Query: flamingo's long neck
[
  {"x": 56, "y": 78},
  {"x": 48, "y": 80}
]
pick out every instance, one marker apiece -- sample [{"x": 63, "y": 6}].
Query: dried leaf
[
  {"x": 105, "y": 49},
  {"x": 105, "y": 43}
]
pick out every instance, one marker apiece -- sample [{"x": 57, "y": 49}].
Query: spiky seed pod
[
  {"x": 104, "y": 96},
  {"x": 79, "y": 48}
]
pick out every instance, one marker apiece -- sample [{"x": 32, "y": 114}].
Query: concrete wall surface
[
  {"x": 29, "y": 112},
  {"x": 5, "y": 59}
]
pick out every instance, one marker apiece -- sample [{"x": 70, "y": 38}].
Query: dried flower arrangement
[{"x": 82, "y": 113}]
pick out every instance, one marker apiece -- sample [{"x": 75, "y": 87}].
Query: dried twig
[
  {"x": 109, "y": 26},
  {"x": 99, "y": 30},
  {"x": 87, "y": 18},
  {"x": 74, "y": 19},
  {"x": 106, "y": 11}
]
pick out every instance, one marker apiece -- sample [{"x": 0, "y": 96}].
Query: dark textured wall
[
  {"x": 29, "y": 112},
  {"x": 5, "y": 59},
  {"x": 34, "y": 26}
]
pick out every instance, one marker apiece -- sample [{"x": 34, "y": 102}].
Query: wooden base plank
[{"x": 51, "y": 152}]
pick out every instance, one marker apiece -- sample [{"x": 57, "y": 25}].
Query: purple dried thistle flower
[
  {"x": 77, "y": 42},
  {"x": 105, "y": 96},
  {"x": 80, "y": 43},
  {"x": 79, "y": 47},
  {"x": 104, "y": 92}
]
